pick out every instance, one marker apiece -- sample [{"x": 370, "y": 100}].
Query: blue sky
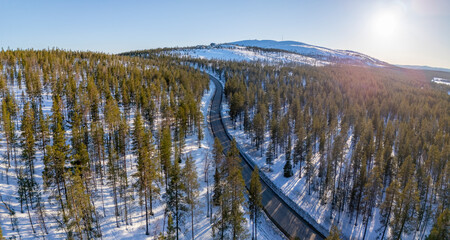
[{"x": 413, "y": 32}]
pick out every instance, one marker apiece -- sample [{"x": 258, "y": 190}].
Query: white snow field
[
  {"x": 239, "y": 53},
  {"x": 135, "y": 231},
  {"x": 441, "y": 81},
  {"x": 269, "y": 51}
]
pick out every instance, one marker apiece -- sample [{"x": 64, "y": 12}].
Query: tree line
[
  {"x": 396, "y": 122},
  {"x": 102, "y": 109}
]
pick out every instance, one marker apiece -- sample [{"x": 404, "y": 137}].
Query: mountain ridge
[
  {"x": 310, "y": 50},
  {"x": 271, "y": 51}
]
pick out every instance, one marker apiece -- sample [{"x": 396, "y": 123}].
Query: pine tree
[
  {"x": 309, "y": 168},
  {"x": 26, "y": 187},
  {"x": 9, "y": 130},
  {"x": 269, "y": 155},
  {"x": 255, "y": 201},
  {"x": 28, "y": 141},
  {"x": 288, "y": 166},
  {"x": 247, "y": 123},
  {"x": 217, "y": 191},
  {"x": 287, "y": 169},
  {"x": 113, "y": 175},
  {"x": 218, "y": 172},
  {"x": 175, "y": 195},
  {"x": 335, "y": 233},
  {"x": 123, "y": 177},
  {"x": 166, "y": 152},
  {"x": 43, "y": 130},
  {"x": 405, "y": 210},
  {"x": 81, "y": 211},
  {"x": 56, "y": 158},
  {"x": 198, "y": 123},
  {"x": 191, "y": 188},
  {"x": 206, "y": 170},
  {"x": 440, "y": 228},
  {"x": 299, "y": 150},
  {"x": 234, "y": 190},
  {"x": 258, "y": 128},
  {"x": 372, "y": 188},
  {"x": 170, "y": 228},
  {"x": 221, "y": 219},
  {"x": 146, "y": 166},
  {"x": 387, "y": 206}
]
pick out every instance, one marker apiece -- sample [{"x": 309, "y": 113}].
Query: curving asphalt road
[{"x": 279, "y": 212}]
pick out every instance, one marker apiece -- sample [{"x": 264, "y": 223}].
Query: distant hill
[
  {"x": 425, "y": 68},
  {"x": 332, "y": 55},
  {"x": 271, "y": 51},
  {"x": 276, "y": 52}
]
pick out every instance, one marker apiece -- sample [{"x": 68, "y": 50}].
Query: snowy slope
[
  {"x": 240, "y": 53},
  {"x": 441, "y": 81},
  {"x": 277, "y": 52},
  {"x": 317, "y": 52}
]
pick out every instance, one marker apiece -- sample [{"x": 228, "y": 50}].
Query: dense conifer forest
[
  {"x": 396, "y": 121},
  {"x": 75, "y": 125}
]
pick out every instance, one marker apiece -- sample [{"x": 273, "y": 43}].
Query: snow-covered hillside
[
  {"x": 441, "y": 81},
  {"x": 277, "y": 52},
  {"x": 240, "y": 53}
]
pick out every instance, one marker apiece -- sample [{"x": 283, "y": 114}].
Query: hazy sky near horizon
[{"x": 413, "y": 32}]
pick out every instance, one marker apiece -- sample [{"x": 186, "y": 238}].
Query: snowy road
[{"x": 281, "y": 214}]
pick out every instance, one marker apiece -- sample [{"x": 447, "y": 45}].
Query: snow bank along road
[{"x": 281, "y": 214}]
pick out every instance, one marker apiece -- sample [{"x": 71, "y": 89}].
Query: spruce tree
[
  {"x": 27, "y": 139},
  {"x": 234, "y": 191},
  {"x": 270, "y": 155},
  {"x": 335, "y": 233},
  {"x": 166, "y": 152},
  {"x": 56, "y": 158},
  {"x": 191, "y": 188},
  {"x": 440, "y": 228},
  {"x": 218, "y": 171},
  {"x": 255, "y": 201},
  {"x": 288, "y": 166},
  {"x": 43, "y": 130},
  {"x": 175, "y": 195}
]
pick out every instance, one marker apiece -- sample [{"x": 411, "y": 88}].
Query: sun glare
[{"x": 386, "y": 22}]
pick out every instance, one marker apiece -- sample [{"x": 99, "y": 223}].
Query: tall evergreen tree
[
  {"x": 255, "y": 200},
  {"x": 175, "y": 195},
  {"x": 234, "y": 191},
  {"x": 56, "y": 159},
  {"x": 440, "y": 228},
  {"x": 191, "y": 188},
  {"x": 165, "y": 152},
  {"x": 218, "y": 172}
]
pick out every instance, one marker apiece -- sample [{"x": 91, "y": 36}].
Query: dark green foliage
[
  {"x": 255, "y": 200},
  {"x": 440, "y": 228},
  {"x": 287, "y": 169},
  {"x": 84, "y": 139}
]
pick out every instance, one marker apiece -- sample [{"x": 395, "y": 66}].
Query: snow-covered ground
[
  {"x": 269, "y": 51},
  {"x": 441, "y": 81},
  {"x": 239, "y": 53},
  {"x": 297, "y": 188},
  {"x": 203, "y": 230}
]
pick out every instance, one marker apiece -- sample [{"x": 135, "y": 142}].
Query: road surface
[{"x": 279, "y": 212}]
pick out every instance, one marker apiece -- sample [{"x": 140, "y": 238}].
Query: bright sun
[{"x": 386, "y": 22}]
